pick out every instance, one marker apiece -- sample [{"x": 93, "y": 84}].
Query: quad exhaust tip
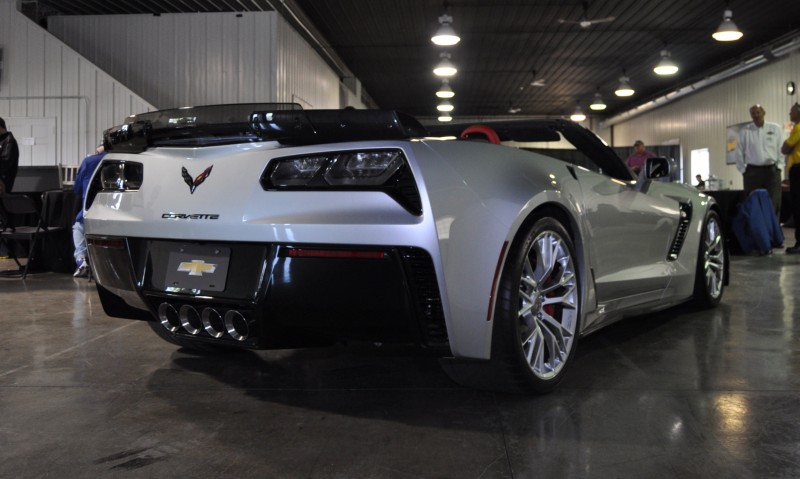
[{"x": 210, "y": 320}]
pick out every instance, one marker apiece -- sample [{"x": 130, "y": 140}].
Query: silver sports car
[{"x": 495, "y": 246}]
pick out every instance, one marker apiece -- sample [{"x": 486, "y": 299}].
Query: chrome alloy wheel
[
  {"x": 713, "y": 257},
  {"x": 549, "y": 309}
]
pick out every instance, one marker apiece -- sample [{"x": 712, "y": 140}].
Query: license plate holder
[{"x": 197, "y": 267}]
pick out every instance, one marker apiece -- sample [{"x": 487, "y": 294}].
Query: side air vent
[
  {"x": 683, "y": 228},
  {"x": 422, "y": 279}
]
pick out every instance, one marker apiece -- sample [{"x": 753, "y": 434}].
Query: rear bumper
[{"x": 283, "y": 295}]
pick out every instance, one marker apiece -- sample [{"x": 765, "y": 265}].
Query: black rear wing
[{"x": 286, "y": 123}]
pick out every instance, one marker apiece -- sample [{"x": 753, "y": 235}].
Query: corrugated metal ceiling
[{"x": 507, "y": 45}]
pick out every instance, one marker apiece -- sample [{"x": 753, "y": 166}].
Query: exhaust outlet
[
  {"x": 237, "y": 325},
  {"x": 168, "y": 316},
  {"x": 190, "y": 319},
  {"x": 212, "y": 322}
]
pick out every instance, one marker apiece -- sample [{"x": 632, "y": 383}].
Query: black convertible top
[{"x": 286, "y": 123}]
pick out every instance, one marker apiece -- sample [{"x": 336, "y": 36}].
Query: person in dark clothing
[
  {"x": 701, "y": 183},
  {"x": 9, "y": 158}
]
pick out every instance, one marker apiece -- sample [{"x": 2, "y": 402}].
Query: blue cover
[{"x": 755, "y": 226}]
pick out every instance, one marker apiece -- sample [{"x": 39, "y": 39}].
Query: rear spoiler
[{"x": 288, "y": 124}]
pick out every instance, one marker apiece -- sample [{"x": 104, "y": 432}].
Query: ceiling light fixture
[
  {"x": 727, "y": 31},
  {"x": 445, "y": 91},
  {"x": 665, "y": 66},
  {"x": 444, "y": 118},
  {"x": 598, "y": 104},
  {"x": 445, "y": 105},
  {"x": 445, "y": 67},
  {"x": 445, "y": 36},
  {"x": 578, "y": 114},
  {"x": 624, "y": 88}
]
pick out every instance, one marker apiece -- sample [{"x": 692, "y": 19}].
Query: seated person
[
  {"x": 82, "y": 178},
  {"x": 701, "y": 184}
]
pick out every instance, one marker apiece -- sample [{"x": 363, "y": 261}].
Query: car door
[{"x": 628, "y": 234}]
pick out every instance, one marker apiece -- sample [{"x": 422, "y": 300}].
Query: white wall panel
[
  {"x": 698, "y": 120},
  {"x": 303, "y": 76},
  {"x": 44, "y": 78},
  {"x": 189, "y": 59}
]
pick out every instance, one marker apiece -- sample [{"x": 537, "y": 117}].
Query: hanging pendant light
[
  {"x": 665, "y": 66},
  {"x": 445, "y": 106},
  {"x": 624, "y": 88},
  {"x": 577, "y": 115},
  {"x": 445, "y": 67},
  {"x": 598, "y": 104},
  {"x": 445, "y": 35},
  {"x": 445, "y": 91},
  {"x": 727, "y": 31}
]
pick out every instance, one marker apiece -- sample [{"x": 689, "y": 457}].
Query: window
[{"x": 699, "y": 165}]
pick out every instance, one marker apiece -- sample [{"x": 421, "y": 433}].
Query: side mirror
[{"x": 656, "y": 168}]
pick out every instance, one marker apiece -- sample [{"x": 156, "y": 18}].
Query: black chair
[{"x": 24, "y": 224}]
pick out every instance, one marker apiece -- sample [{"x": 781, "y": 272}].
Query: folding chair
[{"x": 21, "y": 209}]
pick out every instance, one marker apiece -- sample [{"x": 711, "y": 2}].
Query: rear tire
[
  {"x": 709, "y": 282},
  {"x": 537, "y": 315}
]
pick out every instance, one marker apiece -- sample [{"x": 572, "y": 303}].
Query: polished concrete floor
[{"x": 678, "y": 394}]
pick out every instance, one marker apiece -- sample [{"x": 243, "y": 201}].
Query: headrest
[{"x": 480, "y": 132}]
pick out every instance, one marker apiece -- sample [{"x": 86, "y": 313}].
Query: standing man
[
  {"x": 759, "y": 158},
  {"x": 791, "y": 147},
  {"x": 636, "y": 160},
  {"x": 9, "y": 158}
]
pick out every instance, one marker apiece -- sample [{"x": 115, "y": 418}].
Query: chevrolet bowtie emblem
[
  {"x": 194, "y": 183},
  {"x": 196, "y": 267}
]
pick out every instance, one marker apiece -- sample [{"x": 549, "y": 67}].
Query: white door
[{"x": 36, "y": 137}]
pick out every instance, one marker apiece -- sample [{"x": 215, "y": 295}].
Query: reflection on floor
[{"x": 676, "y": 394}]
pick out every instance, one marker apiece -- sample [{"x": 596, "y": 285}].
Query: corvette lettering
[{"x": 190, "y": 216}]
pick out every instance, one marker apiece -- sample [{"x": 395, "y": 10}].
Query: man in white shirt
[{"x": 759, "y": 157}]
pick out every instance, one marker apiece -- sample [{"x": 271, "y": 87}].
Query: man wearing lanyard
[{"x": 759, "y": 158}]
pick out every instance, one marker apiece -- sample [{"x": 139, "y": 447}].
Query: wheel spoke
[
  {"x": 714, "y": 261},
  {"x": 532, "y": 345},
  {"x": 547, "y": 248},
  {"x": 565, "y": 280},
  {"x": 548, "y": 312}
]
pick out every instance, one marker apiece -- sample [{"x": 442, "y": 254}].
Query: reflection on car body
[{"x": 326, "y": 225}]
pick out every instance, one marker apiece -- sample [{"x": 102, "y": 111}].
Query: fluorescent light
[
  {"x": 727, "y": 31},
  {"x": 445, "y": 118}
]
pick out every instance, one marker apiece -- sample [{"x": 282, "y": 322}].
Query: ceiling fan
[{"x": 585, "y": 21}]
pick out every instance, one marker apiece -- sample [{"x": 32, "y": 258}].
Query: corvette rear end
[{"x": 266, "y": 226}]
